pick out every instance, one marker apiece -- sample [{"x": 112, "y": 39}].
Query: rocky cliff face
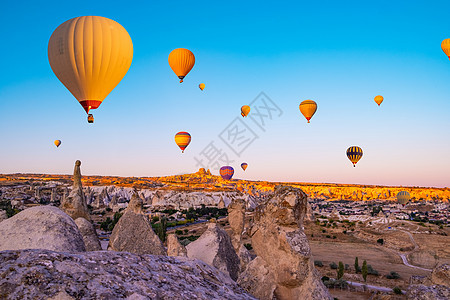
[
  {"x": 283, "y": 268},
  {"x": 42, "y": 274},
  {"x": 436, "y": 286},
  {"x": 75, "y": 204}
]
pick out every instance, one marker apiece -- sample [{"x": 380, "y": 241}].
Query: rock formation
[
  {"x": 41, "y": 227},
  {"x": 436, "y": 286},
  {"x": 75, "y": 204},
  {"x": 214, "y": 248},
  {"x": 174, "y": 248},
  {"x": 90, "y": 238},
  {"x": 43, "y": 274},
  {"x": 236, "y": 218},
  {"x": 133, "y": 233},
  {"x": 3, "y": 215},
  {"x": 309, "y": 213},
  {"x": 283, "y": 268}
]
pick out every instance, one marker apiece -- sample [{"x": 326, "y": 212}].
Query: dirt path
[
  {"x": 404, "y": 256},
  {"x": 372, "y": 287}
]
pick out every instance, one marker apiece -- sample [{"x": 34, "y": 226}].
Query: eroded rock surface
[
  {"x": 283, "y": 264},
  {"x": 133, "y": 233},
  {"x": 90, "y": 237},
  {"x": 436, "y": 286},
  {"x": 214, "y": 248},
  {"x": 41, "y": 227},
  {"x": 43, "y": 274},
  {"x": 75, "y": 204},
  {"x": 174, "y": 248}
]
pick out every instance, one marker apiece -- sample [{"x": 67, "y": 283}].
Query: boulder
[
  {"x": 133, "y": 233},
  {"x": 283, "y": 250},
  {"x": 75, "y": 204},
  {"x": 174, "y": 248},
  {"x": 90, "y": 237},
  {"x": 214, "y": 248},
  {"x": 3, "y": 215},
  {"x": 43, "y": 274},
  {"x": 41, "y": 227}
]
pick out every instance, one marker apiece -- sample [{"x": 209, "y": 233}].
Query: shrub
[
  {"x": 393, "y": 275},
  {"x": 397, "y": 290},
  {"x": 347, "y": 267},
  {"x": 155, "y": 219},
  {"x": 248, "y": 246},
  {"x": 318, "y": 263},
  {"x": 328, "y": 236},
  {"x": 323, "y": 231},
  {"x": 344, "y": 232},
  {"x": 325, "y": 278},
  {"x": 178, "y": 232},
  {"x": 333, "y": 265},
  {"x": 371, "y": 271},
  {"x": 186, "y": 231},
  {"x": 380, "y": 241},
  {"x": 340, "y": 271},
  {"x": 334, "y": 237}
]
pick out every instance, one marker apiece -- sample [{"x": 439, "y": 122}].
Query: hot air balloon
[
  {"x": 90, "y": 55},
  {"x": 403, "y": 197},
  {"x": 57, "y": 143},
  {"x": 245, "y": 110},
  {"x": 226, "y": 172},
  {"x": 354, "y": 153},
  {"x": 182, "y": 139},
  {"x": 244, "y": 166},
  {"x": 201, "y": 86},
  {"x": 378, "y": 99},
  {"x": 181, "y": 61},
  {"x": 445, "y": 45},
  {"x": 308, "y": 109}
]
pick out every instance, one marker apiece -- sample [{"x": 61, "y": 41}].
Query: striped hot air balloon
[
  {"x": 226, "y": 172},
  {"x": 244, "y": 166},
  {"x": 308, "y": 108},
  {"x": 57, "y": 143},
  {"x": 182, "y": 139},
  {"x": 403, "y": 197},
  {"x": 354, "y": 153}
]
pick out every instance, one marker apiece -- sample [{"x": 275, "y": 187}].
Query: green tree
[
  {"x": 161, "y": 230},
  {"x": 340, "y": 271},
  {"x": 364, "y": 270},
  {"x": 356, "y": 265}
]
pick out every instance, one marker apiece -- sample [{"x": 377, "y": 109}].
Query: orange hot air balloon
[
  {"x": 57, "y": 143},
  {"x": 90, "y": 55},
  {"x": 445, "y": 45},
  {"x": 245, "y": 110},
  {"x": 202, "y": 86},
  {"x": 378, "y": 99},
  {"x": 308, "y": 108},
  {"x": 182, "y": 139},
  {"x": 181, "y": 61}
]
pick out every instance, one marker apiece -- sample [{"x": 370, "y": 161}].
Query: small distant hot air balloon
[
  {"x": 354, "y": 153},
  {"x": 181, "y": 61},
  {"x": 202, "y": 86},
  {"x": 226, "y": 172},
  {"x": 57, "y": 143},
  {"x": 403, "y": 197},
  {"x": 245, "y": 110},
  {"x": 90, "y": 55},
  {"x": 244, "y": 166},
  {"x": 378, "y": 99},
  {"x": 445, "y": 45},
  {"x": 308, "y": 109},
  {"x": 182, "y": 139}
]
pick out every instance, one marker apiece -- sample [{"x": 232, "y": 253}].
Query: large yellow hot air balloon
[
  {"x": 445, "y": 45},
  {"x": 202, "y": 86},
  {"x": 90, "y": 55},
  {"x": 378, "y": 99},
  {"x": 181, "y": 61},
  {"x": 245, "y": 110},
  {"x": 57, "y": 143},
  {"x": 182, "y": 139},
  {"x": 308, "y": 109},
  {"x": 354, "y": 154}
]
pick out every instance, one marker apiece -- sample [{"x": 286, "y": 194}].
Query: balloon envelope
[
  {"x": 403, "y": 197},
  {"x": 445, "y": 45},
  {"x": 57, "y": 143},
  {"x": 354, "y": 154},
  {"x": 226, "y": 172},
  {"x": 245, "y": 110},
  {"x": 182, "y": 139},
  {"x": 244, "y": 166},
  {"x": 181, "y": 61},
  {"x": 378, "y": 99},
  {"x": 308, "y": 109},
  {"x": 90, "y": 55},
  {"x": 202, "y": 86}
]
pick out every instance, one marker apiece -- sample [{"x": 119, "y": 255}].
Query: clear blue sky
[{"x": 339, "y": 54}]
